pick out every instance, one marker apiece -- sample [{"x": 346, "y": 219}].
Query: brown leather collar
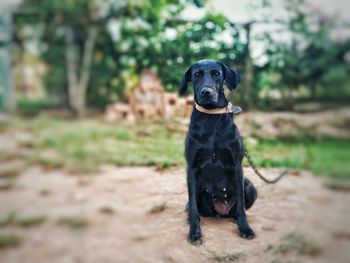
[{"x": 228, "y": 109}]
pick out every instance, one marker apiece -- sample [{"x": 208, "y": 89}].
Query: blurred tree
[
  {"x": 98, "y": 48},
  {"x": 68, "y": 31},
  {"x": 95, "y": 50},
  {"x": 300, "y": 49},
  {"x": 7, "y": 94},
  {"x": 210, "y": 37},
  {"x": 155, "y": 36}
]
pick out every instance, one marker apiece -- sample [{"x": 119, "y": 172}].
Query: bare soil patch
[{"x": 137, "y": 215}]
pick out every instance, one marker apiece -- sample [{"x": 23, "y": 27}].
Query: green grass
[
  {"x": 7, "y": 184},
  {"x": 83, "y": 145},
  {"x": 9, "y": 240},
  {"x": 337, "y": 184},
  {"x": 328, "y": 157},
  {"x": 33, "y": 107},
  {"x": 73, "y": 222},
  {"x": 232, "y": 257},
  {"x": 294, "y": 243},
  {"x": 9, "y": 219},
  {"x": 31, "y": 220},
  {"x": 24, "y": 221},
  {"x": 278, "y": 260}
]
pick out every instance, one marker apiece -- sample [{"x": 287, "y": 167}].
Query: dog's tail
[{"x": 255, "y": 169}]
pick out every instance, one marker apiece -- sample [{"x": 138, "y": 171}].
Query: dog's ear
[
  {"x": 184, "y": 82},
  {"x": 231, "y": 78}
]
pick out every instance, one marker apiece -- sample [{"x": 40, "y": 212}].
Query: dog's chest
[
  {"x": 209, "y": 134},
  {"x": 214, "y": 143}
]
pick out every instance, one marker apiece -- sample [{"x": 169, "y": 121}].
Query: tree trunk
[
  {"x": 78, "y": 77},
  {"x": 249, "y": 71},
  {"x": 9, "y": 99},
  {"x": 72, "y": 64},
  {"x": 313, "y": 90},
  {"x": 248, "y": 82}
]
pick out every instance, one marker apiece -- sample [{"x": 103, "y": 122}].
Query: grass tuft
[
  {"x": 337, "y": 184},
  {"x": 9, "y": 240},
  {"x": 158, "y": 208},
  {"x": 31, "y": 220},
  {"x": 9, "y": 219},
  {"x": 232, "y": 257},
  {"x": 106, "y": 210},
  {"x": 24, "y": 221},
  {"x": 278, "y": 260},
  {"x": 10, "y": 169},
  {"x": 73, "y": 222},
  {"x": 7, "y": 185},
  {"x": 295, "y": 242}
]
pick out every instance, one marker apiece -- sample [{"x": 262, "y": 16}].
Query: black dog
[{"x": 214, "y": 152}]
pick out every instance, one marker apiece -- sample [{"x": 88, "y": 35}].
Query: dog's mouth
[
  {"x": 212, "y": 100},
  {"x": 224, "y": 207},
  {"x": 209, "y": 100}
]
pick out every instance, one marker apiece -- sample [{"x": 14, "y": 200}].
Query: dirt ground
[{"x": 137, "y": 215}]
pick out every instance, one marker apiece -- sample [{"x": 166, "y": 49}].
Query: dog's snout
[{"x": 205, "y": 92}]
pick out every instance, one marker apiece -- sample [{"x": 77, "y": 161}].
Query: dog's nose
[{"x": 205, "y": 92}]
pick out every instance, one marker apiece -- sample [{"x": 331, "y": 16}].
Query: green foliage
[
  {"x": 198, "y": 40},
  {"x": 32, "y": 107},
  {"x": 51, "y": 20},
  {"x": 299, "y": 51},
  {"x": 133, "y": 36},
  {"x": 303, "y": 54}
]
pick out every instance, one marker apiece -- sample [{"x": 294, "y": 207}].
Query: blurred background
[
  {"x": 289, "y": 52},
  {"x": 88, "y": 87}
]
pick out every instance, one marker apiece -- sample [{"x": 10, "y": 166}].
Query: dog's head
[{"x": 208, "y": 78}]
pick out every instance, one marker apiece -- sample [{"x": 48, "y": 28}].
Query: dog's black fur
[{"x": 214, "y": 153}]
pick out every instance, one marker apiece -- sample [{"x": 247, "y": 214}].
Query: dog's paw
[
  {"x": 195, "y": 238},
  {"x": 247, "y": 233}
]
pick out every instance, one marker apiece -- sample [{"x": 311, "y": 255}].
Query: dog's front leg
[
  {"x": 195, "y": 234},
  {"x": 241, "y": 218}
]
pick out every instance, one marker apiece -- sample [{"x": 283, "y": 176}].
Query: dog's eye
[
  {"x": 197, "y": 75},
  {"x": 216, "y": 73}
]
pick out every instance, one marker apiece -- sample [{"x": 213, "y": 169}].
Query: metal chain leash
[
  {"x": 255, "y": 169},
  {"x": 237, "y": 110}
]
